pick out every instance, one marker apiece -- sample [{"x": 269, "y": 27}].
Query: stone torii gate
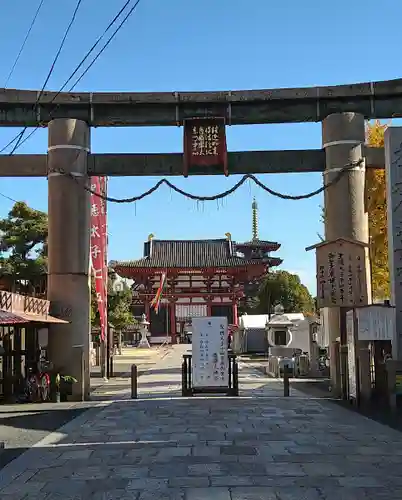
[{"x": 69, "y": 116}]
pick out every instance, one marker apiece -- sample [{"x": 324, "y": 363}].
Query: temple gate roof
[{"x": 191, "y": 254}]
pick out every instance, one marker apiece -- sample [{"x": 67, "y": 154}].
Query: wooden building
[
  {"x": 36, "y": 287},
  {"x": 24, "y": 322},
  {"x": 204, "y": 278}
]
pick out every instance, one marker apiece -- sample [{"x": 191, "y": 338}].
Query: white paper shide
[{"x": 210, "y": 352}]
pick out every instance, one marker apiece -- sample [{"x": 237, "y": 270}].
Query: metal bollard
[
  {"x": 286, "y": 385},
  {"x": 134, "y": 380}
]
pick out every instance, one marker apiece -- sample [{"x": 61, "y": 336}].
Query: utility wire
[
  {"x": 8, "y": 198},
  {"x": 89, "y": 52},
  {"x": 63, "y": 41},
  {"x": 24, "y": 43},
  {"x": 116, "y": 17},
  {"x": 107, "y": 43}
]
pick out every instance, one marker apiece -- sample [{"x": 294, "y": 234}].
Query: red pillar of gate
[
  {"x": 173, "y": 329},
  {"x": 147, "y": 310},
  {"x": 235, "y": 313}
]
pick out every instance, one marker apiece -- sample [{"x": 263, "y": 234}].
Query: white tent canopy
[{"x": 260, "y": 320}]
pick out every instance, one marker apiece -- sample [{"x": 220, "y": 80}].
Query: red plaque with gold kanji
[{"x": 204, "y": 145}]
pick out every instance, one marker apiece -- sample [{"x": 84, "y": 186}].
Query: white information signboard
[
  {"x": 350, "y": 336},
  {"x": 375, "y": 323},
  {"x": 210, "y": 364}
]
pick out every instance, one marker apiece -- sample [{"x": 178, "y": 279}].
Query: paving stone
[
  {"x": 168, "y": 470},
  {"x": 189, "y": 482},
  {"x": 210, "y": 469},
  {"x": 284, "y": 469},
  {"x": 247, "y": 469},
  {"x": 148, "y": 484},
  {"x": 299, "y": 494},
  {"x": 66, "y": 486},
  {"x": 130, "y": 472},
  {"x": 22, "y": 488},
  {"x": 322, "y": 469},
  {"x": 75, "y": 455},
  {"x": 61, "y": 496},
  {"x": 348, "y": 494},
  {"x": 171, "y": 494},
  {"x": 253, "y": 494},
  {"x": 360, "y": 482},
  {"x": 238, "y": 450},
  {"x": 211, "y": 448},
  {"x": 114, "y": 495},
  {"x": 17, "y": 496},
  {"x": 205, "y": 451},
  {"x": 174, "y": 452},
  {"x": 230, "y": 481},
  {"x": 208, "y": 494}
]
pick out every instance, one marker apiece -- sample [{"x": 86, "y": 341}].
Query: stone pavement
[{"x": 260, "y": 446}]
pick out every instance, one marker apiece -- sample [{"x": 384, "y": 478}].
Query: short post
[
  {"x": 235, "y": 376},
  {"x": 184, "y": 391},
  {"x": 184, "y": 379},
  {"x": 134, "y": 380},
  {"x": 111, "y": 370},
  {"x": 286, "y": 376}
]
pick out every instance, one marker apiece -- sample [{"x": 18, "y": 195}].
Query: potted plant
[
  {"x": 63, "y": 387},
  {"x": 66, "y": 386}
]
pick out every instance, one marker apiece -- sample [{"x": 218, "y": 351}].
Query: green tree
[
  {"x": 118, "y": 301},
  {"x": 23, "y": 257},
  {"x": 23, "y": 243},
  {"x": 282, "y": 287}
]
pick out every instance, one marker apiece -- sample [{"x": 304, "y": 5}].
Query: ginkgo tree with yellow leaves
[{"x": 376, "y": 205}]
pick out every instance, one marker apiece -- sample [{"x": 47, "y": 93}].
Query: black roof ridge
[{"x": 192, "y": 240}]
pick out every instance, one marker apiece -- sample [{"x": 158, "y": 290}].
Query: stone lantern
[
  {"x": 278, "y": 328},
  {"x": 144, "y": 324}
]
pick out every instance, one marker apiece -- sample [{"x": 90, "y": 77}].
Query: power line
[
  {"x": 24, "y": 43},
  {"x": 8, "y": 198},
  {"x": 63, "y": 41},
  {"x": 107, "y": 43},
  {"x": 89, "y": 52}
]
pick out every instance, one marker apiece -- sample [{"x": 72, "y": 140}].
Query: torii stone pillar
[
  {"x": 69, "y": 247},
  {"x": 343, "y": 136}
]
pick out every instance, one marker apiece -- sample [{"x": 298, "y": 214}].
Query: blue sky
[{"x": 178, "y": 45}]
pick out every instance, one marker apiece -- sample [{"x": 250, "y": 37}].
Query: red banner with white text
[{"x": 99, "y": 248}]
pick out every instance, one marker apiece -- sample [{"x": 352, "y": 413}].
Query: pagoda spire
[{"x": 254, "y": 226}]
